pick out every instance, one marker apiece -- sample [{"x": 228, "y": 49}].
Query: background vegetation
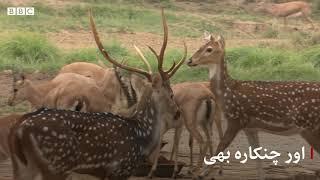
[{"x": 28, "y": 48}]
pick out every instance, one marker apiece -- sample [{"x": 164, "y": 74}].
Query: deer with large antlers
[
  {"x": 51, "y": 144},
  {"x": 281, "y": 108},
  {"x": 198, "y": 111},
  {"x": 285, "y": 10}
]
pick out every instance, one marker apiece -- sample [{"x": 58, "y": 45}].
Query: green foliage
[
  {"x": 272, "y": 64},
  {"x": 31, "y": 51},
  {"x": 28, "y": 48}
]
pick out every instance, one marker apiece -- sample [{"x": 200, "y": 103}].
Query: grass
[
  {"x": 30, "y": 53},
  {"x": 123, "y": 16},
  {"x": 111, "y": 17}
]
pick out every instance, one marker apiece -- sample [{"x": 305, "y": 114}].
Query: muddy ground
[{"x": 307, "y": 169}]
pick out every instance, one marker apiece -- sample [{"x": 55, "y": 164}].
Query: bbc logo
[{"x": 20, "y": 11}]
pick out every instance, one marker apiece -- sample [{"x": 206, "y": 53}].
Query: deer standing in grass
[
  {"x": 282, "y": 108},
  {"x": 284, "y": 10},
  {"x": 51, "y": 144},
  {"x": 65, "y": 91},
  {"x": 198, "y": 110}
]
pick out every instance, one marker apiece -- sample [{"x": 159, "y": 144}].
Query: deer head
[
  {"x": 20, "y": 83},
  {"x": 210, "y": 53},
  {"x": 159, "y": 81}
]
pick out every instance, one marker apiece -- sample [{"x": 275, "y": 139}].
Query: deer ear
[
  {"x": 156, "y": 81},
  {"x": 207, "y": 36},
  {"x": 22, "y": 77},
  {"x": 221, "y": 41}
]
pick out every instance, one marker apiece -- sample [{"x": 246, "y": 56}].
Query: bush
[{"x": 28, "y": 48}]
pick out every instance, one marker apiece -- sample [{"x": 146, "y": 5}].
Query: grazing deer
[
  {"x": 65, "y": 91},
  {"x": 282, "y": 108},
  {"x": 288, "y": 9},
  {"x": 51, "y": 144},
  {"x": 5, "y": 124}
]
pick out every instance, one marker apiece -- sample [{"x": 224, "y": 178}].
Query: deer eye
[
  {"x": 209, "y": 50},
  {"x": 15, "y": 90}
]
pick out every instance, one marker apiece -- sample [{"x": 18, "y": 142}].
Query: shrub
[{"x": 28, "y": 48}]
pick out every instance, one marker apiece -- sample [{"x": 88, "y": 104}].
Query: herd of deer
[{"x": 92, "y": 120}]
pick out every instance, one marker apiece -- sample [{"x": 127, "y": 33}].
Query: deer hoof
[
  {"x": 197, "y": 178},
  {"x": 150, "y": 175},
  {"x": 174, "y": 175}
]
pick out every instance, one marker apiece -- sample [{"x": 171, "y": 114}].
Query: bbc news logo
[{"x": 20, "y": 11}]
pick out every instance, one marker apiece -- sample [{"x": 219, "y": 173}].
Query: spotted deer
[
  {"x": 51, "y": 144},
  {"x": 278, "y": 107},
  {"x": 198, "y": 112},
  {"x": 288, "y": 9}
]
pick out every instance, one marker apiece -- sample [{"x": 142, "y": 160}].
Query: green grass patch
[
  {"x": 247, "y": 63},
  {"x": 272, "y": 64}
]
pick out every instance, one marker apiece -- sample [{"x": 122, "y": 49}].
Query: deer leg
[
  {"x": 307, "y": 18},
  {"x": 117, "y": 178},
  {"x": 157, "y": 153},
  {"x": 285, "y": 21},
  {"x": 177, "y": 136},
  {"x": 205, "y": 129},
  {"x": 191, "y": 149},
  {"x": 189, "y": 117},
  {"x": 312, "y": 138},
  {"x": 172, "y": 150},
  {"x": 231, "y": 132},
  {"x": 217, "y": 120},
  {"x": 253, "y": 139}
]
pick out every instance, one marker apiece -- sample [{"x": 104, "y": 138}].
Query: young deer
[
  {"x": 198, "y": 109},
  {"x": 285, "y": 10},
  {"x": 251, "y": 104},
  {"x": 65, "y": 91},
  {"x": 51, "y": 144},
  {"x": 107, "y": 80},
  {"x": 5, "y": 124}
]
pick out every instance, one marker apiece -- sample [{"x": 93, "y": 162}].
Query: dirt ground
[
  {"x": 307, "y": 169},
  {"x": 68, "y": 40}
]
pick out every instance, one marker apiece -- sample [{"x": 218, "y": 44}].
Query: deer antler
[
  {"x": 175, "y": 68},
  {"x": 160, "y": 57},
  {"x": 163, "y": 48},
  {"x": 145, "y": 61},
  {"x": 106, "y": 55}
]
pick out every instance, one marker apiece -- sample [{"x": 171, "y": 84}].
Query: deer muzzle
[{"x": 190, "y": 62}]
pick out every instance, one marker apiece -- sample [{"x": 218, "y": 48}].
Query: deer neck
[
  {"x": 35, "y": 94},
  {"x": 219, "y": 79},
  {"x": 148, "y": 118}
]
